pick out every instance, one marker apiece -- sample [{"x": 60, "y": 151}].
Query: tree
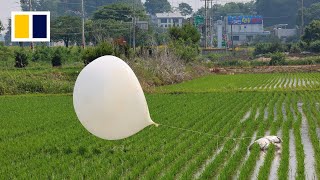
[
  {"x": 278, "y": 11},
  {"x": 101, "y": 30},
  {"x": 67, "y": 29},
  {"x": 118, "y": 12},
  {"x": 186, "y": 32},
  {"x": 72, "y": 7},
  {"x": 310, "y": 14},
  {"x": 231, "y": 8},
  {"x": 185, "y": 9},
  {"x": 312, "y": 32},
  {"x": 157, "y": 6},
  {"x": 1, "y": 27}
]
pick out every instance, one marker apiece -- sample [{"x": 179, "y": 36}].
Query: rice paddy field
[{"x": 206, "y": 128}]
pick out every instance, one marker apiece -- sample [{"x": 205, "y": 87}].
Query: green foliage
[
  {"x": 278, "y": 9},
  {"x": 21, "y": 58},
  {"x": 72, "y": 7},
  {"x": 310, "y": 14},
  {"x": 186, "y": 32},
  {"x": 295, "y": 48},
  {"x": 186, "y": 50},
  {"x": 100, "y": 30},
  {"x": 66, "y": 29},
  {"x": 6, "y": 53},
  {"x": 312, "y": 32},
  {"x": 315, "y": 46},
  {"x": 277, "y": 58},
  {"x": 118, "y": 12},
  {"x": 1, "y": 27},
  {"x": 92, "y": 53},
  {"x": 42, "y": 53},
  {"x": 231, "y": 8},
  {"x": 56, "y": 59},
  {"x": 266, "y": 39},
  {"x": 185, "y": 9},
  {"x": 264, "y": 48},
  {"x": 157, "y": 6}
]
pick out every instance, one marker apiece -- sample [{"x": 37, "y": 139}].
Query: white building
[
  {"x": 167, "y": 20},
  {"x": 243, "y": 29},
  {"x": 282, "y": 32}
]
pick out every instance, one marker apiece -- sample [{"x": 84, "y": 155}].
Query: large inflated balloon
[{"x": 109, "y": 101}]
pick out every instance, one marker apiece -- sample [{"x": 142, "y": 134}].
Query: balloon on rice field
[{"x": 109, "y": 101}]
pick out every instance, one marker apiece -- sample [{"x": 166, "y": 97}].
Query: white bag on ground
[{"x": 265, "y": 142}]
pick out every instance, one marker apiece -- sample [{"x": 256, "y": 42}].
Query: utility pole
[
  {"x": 211, "y": 25},
  {"x": 83, "y": 37},
  {"x": 226, "y": 31},
  {"x": 206, "y": 24},
  {"x": 134, "y": 26},
  {"x": 30, "y": 9},
  {"x": 232, "y": 37},
  {"x": 302, "y": 17}
]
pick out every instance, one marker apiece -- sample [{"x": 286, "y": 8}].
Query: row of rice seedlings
[
  {"x": 175, "y": 166},
  {"x": 55, "y": 141},
  {"x": 310, "y": 113},
  {"x": 132, "y": 165},
  {"x": 157, "y": 167},
  {"x": 298, "y": 141},
  {"x": 225, "y": 128},
  {"x": 278, "y": 124},
  {"x": 232, "y": 164},
  {"x": 248, "y": 167},
  {"x": 47, "y": 142},
  {"x": 264, "y": 171},
  {"x": 118, "y": 153},
  {"x": 283, "y": 170},
  {"x": 212, "y": 147},
  {"x": 161, "y": 140},
  {"x": 167, "y": 138},
  {"x": 213, "y": 168}
]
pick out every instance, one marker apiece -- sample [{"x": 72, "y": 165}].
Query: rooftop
[{"x": 169, "y": 15}]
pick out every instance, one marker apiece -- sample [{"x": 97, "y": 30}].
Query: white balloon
[{"x": 109, "y": 101}]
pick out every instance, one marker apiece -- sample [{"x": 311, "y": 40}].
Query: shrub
[
  {"x": 295, "y": 48},
  {"x": 264, "y": 48},
  {"x": 21, "y": 58},
  {"x": 56, "y": 59},
  {"x": 92, "y": 53},
  {"x": 277, "y": 59},
  {"x": 186, "y": 51},
  {"x": 42, "y": 53},
  {"x": 315, "y": 46}
]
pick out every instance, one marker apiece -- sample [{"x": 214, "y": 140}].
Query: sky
[{"x": 6, "y": 6}]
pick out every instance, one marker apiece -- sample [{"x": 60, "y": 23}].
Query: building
[
  {"x": 239, "y": 30},
  {"x": 167, "y": 20},
  {"x": 283, "y": 33}
]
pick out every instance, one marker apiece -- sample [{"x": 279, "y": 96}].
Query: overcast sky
[{"x": 6, "y": 6}]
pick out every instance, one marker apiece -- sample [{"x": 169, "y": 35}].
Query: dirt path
[{"x": 309, "y": 160}]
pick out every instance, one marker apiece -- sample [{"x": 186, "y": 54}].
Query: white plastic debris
[{"x": 265, "y": 142}]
